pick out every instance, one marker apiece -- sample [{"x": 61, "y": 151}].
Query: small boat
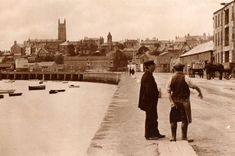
[
  {"x": 65, "y": 82},
  {"x": 15, "y": 94},
  {"x": 53, "y": 91},
  {"x": 74, "y": 86},
  {"x": 6, "y": 91},
  {"x": 40, "y": 82},
  {"x": 1, "y": 96},
  {"x": 39, "y": 87},
  {"x": 61, "y": 90}
]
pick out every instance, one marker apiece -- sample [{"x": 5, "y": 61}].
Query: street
[
  {"x": 213, "y": 125},
  {"x": 212, "y": 128}
]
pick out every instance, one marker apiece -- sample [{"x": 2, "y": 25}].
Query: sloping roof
[
  {"x": 41, "y": 50},
  {"x": 5, "y": 65},
  {"x": 180, "y": 39},
  {"x": 164, "y": 53},
  {"x": 205, "y": 47},
  {"x": 1, "y": 58},
  {"x": 65, "y": 43},
  {"x": 43, "y": 40},
  {"x": 41, "y": 64},
  {"x": 131, "y": 49}
]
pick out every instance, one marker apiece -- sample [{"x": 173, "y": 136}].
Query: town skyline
[{"x": 124, "y": 19}]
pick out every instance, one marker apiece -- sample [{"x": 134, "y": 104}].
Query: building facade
[
  {"x": 83, "y": 63},
  {"x": 17, "y": 49},
  {"x": 51, "y": 45},
  {"x": 193, "y": 40},
  {"x": 223, "y": 29},
  {"x": 131, "y": 43},
  {"x": 202, "y": 54}
]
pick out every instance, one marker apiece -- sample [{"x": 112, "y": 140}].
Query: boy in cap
[
  {"x": 179, "y": 96},
  {"x": 148, "y": 100}
]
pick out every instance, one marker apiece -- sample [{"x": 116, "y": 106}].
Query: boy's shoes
[
  {"x": 172, "y": 139},
  {"x": 189, "y": 140}
]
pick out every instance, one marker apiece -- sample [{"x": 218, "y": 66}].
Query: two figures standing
[{"x": 179, "y": 93}]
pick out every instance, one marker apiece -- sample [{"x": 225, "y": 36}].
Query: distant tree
[
  {"x": 93, "y": 48},
  {"x": 38, "y": 59},
  {"x": 156, "y": 50},
  {"x": 48, "y": 58},
  {"x": 71, "y": 50},
  {"x": 142, "y": 50},
  {"x": 84, "y": 48},
  {"x": 120, "y": 59},
  {"x": 157, "y": 45},
  {"x": 102, "y": 51},
  {"x": 121, "y": 46},
  {"x": 59, "y": 59}
]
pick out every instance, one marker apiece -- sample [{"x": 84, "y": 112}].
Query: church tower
[
  {"x": 109, "y": 42},
  {"x": 62, "y": 30}
]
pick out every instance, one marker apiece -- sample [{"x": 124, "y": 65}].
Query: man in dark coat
[
  {"x": 179, "y": 96},
  {"x": 148, "y": 100}
]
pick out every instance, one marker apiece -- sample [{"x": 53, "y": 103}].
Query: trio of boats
[{"x": 11, "y": 92}]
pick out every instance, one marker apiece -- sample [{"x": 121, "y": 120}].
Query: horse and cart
[
  {"x": 212, "y": 70},
  {"x": 196, "y": 67}
]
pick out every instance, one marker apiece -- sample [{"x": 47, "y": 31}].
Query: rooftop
[{"x": 205, "y": 47}]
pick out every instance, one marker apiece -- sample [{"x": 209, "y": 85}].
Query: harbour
[{"x": 51, "y": 124}]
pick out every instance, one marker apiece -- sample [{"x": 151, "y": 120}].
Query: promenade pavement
[{"x": 122, "y": 131}]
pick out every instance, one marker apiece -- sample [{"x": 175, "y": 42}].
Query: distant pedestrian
[
  {"x": 148, "y": 100},
  {"x": 179, "y": 96},
  {"x": 133, "y": 71}
]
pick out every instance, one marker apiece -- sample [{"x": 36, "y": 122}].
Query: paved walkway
[{"x": 122, "y": 131}]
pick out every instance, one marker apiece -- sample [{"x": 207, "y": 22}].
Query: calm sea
[{"x": 42, "y": 124}]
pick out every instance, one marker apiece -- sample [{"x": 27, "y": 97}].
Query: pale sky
[{"x": 133, "y": 19}]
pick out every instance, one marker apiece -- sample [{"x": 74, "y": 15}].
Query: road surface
[{"x": 213, "y": 126}]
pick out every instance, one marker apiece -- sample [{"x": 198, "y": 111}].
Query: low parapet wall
[
  {"x": 111, "y": 77},
  {"x": 103, "y": 77}
]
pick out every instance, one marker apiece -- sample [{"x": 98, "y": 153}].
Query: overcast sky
[{"x": 163, "y": 19}]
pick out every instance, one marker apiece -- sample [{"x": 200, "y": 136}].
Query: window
[
  {"x": 232, "y": 13},
  {"x": 226, "y": 36},
  {"x": 233, "y": 37},
  {"x": 215, "y": 21},
  {"x": 226, "y": 16},
  {"x": 221, "y": 57},
  {"x": 221, "y": 38},
  {"x": 226, "y": 56},
  {"x": 215, "y": 39}
]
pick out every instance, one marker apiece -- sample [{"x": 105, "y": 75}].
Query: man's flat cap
[{"x": 148, "y": 63}]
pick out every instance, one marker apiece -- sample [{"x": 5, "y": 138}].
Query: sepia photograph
[{"x": 117, "y": 78}]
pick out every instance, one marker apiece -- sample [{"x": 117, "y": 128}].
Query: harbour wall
[{"x": 102, "y": 77}]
